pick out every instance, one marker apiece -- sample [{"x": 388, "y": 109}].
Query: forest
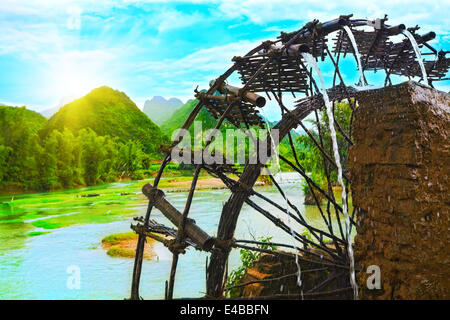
[
  {"x": 104, "y": 137},
  {"x": 99, "y": 138},
  {"x": 62, "y": 159}
]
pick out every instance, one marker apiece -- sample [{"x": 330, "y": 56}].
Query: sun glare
[
  {"x": 73, "y": 75},
  {"x": 75, "y": 84}
]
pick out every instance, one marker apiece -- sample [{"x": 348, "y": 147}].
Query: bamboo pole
[
  {"x": 232, "y": 208},
  {"x": 274, "y": 279},
  {"x": 197, "y": 235},
  {"x": 141, "y": 240},
  {"x": 181, "y": 233}
]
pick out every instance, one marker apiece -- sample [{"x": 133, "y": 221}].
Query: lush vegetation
[
  {"x": 248, "y": 258},
  {"x": 208, "y": 122},
  {"x": 99, "y": 138},
  {"x": 117, "y": 238},
  {"x": 311, "y": 157},
  {"x": 179, "y": 116},
  {"x": 120, "y": 252},
  {"x": 111, "y": 113},
  {"x": 104, "y": 137},
  {"x": 124, "y": 245},
  {"x": 18, "y": 139}
]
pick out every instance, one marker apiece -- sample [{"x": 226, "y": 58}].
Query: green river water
[{"x": 44, "y": 235}]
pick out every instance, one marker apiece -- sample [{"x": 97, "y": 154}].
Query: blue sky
[{"x": 58, "y": 49}]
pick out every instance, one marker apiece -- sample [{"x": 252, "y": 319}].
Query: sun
[
  {"x": 76, "y": 83},
  {"x": 74, "y": 75}
]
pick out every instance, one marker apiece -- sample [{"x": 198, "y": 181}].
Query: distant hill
[
  {"x": 65, "y": 100},
  {"x": 50, "y": 111},
  {"x": 15, "y": 122},
  {"x": 108, "y": 112},
  {"x": 176, "y": 120},
  {"x": 179, "y": 116},
  {"x": 158, "y": 109},
  {"x": 18, "y": 142}
]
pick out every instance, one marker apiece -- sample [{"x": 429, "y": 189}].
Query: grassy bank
[
  {"x": 171, "y": 170},
  {"x": 96, "y": 204},
  {"x": 124, "y": 245}
]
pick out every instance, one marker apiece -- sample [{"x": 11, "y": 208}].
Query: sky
[{"x": 56, "y": 50}]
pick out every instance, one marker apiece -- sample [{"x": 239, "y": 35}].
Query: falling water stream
[
  {"x": 362, "y": 82},
  {"x": 271, "y": 140},
  {"x": 299, "y": 271},
  {"x": 312, "y": 63},
  {"x": 418, "y": 55}
]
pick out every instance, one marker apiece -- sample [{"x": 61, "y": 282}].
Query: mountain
[
  {"x": 50, "y": 111},
  {"x": 18, "y": 122},
  {"x": 18, "y": 143},
  {"x": 179, "y": 116},
  {"x": 65, "y": 100},
  {"x": 158, "y": 109},
  {"x": 176, "y": 120},
  {"x": 108, "y": 112}
]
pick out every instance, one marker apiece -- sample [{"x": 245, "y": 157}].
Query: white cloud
[
  {"x": 213, "y": 60},
  {"x": 45, "y": 32},
  {"x": 173, "y": 19},
  {"x": 179, "y": 77},
  {"x": 74, "y": 19},
  {"x": 411, "y": 12},
  {"x": 22, "y": 37},
  {"x": 27, "y": 39}
]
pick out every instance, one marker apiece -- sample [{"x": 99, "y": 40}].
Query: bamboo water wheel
[{"x": 273, "y": 69}]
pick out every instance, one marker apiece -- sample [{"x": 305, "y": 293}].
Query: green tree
[
  {"x": 49, "y": 162},
  {"x": 92, "y": 154},
  {"x": 4, "y": 154},
  {"x": 131, "y": 158},
  {"x": 311, "y": 157},
  {"x": 248, "y": 259},
  {"x": 108, "y": 166},
  {"x": 68, "y": 158},
  {"x": 18, "y": 132}
]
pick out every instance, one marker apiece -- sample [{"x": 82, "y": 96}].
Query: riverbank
[
  {"x": 170, "y": 183},
  {"x": 124, "y": 245},
  {"x": 37, "y": 213},
  {"x": 172, "y": 170},
  {"x": 183, "y": 184},
  {"x": 61, "y": 229}
]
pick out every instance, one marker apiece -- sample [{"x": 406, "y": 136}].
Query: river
[{"x": 42, "y": 235}]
